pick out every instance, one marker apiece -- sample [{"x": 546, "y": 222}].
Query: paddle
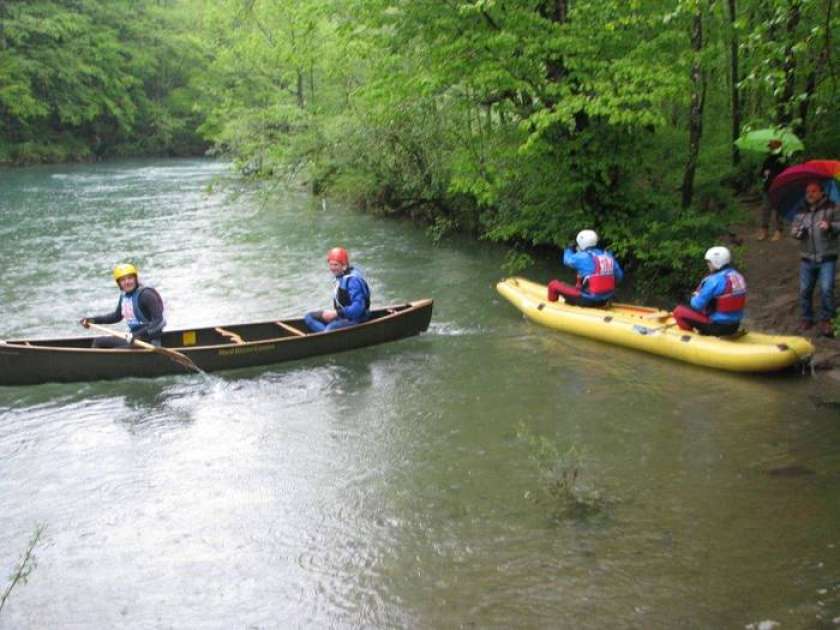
[
  {"x": 644, "y": 330},
  {"x": 181, "y": 359}
]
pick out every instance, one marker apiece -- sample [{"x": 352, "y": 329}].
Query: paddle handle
[
  {"x": 176, "y": 356},
  {"x": 116, "y": 333}
]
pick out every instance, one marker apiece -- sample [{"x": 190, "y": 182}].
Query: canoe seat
[{"x": 232, "y": 336}]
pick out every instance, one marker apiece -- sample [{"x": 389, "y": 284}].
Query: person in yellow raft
[
  {"x": 717, "y": 305},
  {"x": 140, "y": 306}
]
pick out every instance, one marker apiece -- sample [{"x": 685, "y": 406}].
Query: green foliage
[
  {"x": 25, "y": 566},
  {"x": 516, "y": 262},
  {"x": 561, "y": 488},
  {"x": 500, "y": 118},
  {"x": 518, "y": 121},
  {"x": 85, "y": 78}
]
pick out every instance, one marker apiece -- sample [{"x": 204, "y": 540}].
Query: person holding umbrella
[
  {"x": 777, "y": 145},
  {"x": 773, "y": 164},
  {"x": 817, "y": 226}
]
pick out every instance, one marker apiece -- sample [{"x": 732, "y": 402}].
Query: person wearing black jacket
[
  {"x": 772, "y": 166},
  {"x": 140, "y": 306}
]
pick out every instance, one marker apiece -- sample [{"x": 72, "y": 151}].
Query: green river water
[{"x": 392, "y": 487}]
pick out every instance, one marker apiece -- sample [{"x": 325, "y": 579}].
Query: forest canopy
[{"x": 520, "y": 121}]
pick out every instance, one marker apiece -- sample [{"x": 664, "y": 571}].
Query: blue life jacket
[
  {"x": 131, "y": 311},
  {"x": 352, "y": 295},
  {"x": 722, "y": 295}
]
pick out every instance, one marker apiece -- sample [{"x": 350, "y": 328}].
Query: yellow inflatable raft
[{"x": 656, "y": 332}]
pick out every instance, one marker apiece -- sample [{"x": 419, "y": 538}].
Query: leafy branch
[{"x": 23, "y": 569}]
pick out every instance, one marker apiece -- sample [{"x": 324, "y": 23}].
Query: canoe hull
[
  {"x": 638, "y": 328},
  {"x": 30, "y": 362}
]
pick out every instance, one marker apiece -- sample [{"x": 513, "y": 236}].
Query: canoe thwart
[
  {"x": 291, "y": 329},
  {"x": 229, "y": 335}
]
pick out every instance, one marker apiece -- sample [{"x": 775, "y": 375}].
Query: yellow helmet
[{"x": 122, "y": 270}]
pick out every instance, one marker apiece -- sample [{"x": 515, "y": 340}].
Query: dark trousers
[
  {"x": 768, "y": 211},
  {"x": 810, "y": 273}
]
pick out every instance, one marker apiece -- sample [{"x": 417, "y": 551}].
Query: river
[{"x": 409, "y": 485}]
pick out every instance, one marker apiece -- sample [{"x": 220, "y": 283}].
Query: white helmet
[
  {"x": 719, "y": 256},
  {"x": 586, "y": 239}
]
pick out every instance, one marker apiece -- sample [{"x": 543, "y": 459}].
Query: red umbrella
[{"x": 787, "y": 191}]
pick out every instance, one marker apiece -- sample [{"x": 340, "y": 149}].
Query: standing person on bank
[
  {"x": 351, "y": 300},
  {"x": 773, "y": 164},
  {"x": 140, "y": 306},
  {"x": 816, "y": 226}
]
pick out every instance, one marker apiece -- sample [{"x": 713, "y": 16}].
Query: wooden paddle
[{"x": 181, "y": 359}]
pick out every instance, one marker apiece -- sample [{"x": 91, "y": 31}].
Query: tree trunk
[
  {"x": 734, "y": 77},
  {"x": 299, "y": 88},
  {"x": 811, "y": 82},
  {"x": 555, "y": 10},
  {"x": 784, "y": 106},
  {"x": 698, "y": 99}
]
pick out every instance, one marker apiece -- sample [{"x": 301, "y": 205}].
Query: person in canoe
[
  {"x": 351, "y": 300},
  {"x": 140, "y": 306},
  {"x": 598, "y": 272},
  {"x": 717, "y": 305}
]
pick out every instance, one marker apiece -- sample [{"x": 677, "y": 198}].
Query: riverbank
[{"x": 772, "y": 272}]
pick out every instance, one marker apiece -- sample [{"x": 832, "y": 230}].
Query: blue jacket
[
  {"x": 719, "y": 293},
  {"x": 584, "y": 263},
  {"x": 352, "y": 296}
]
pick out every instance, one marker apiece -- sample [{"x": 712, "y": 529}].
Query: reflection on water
[{"x": 385, "y": 487}]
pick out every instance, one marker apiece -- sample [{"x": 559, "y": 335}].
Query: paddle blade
[{"x": 180, "y": 359}]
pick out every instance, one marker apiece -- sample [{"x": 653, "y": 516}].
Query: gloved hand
[
  {"x": 130, "y": 339},
  {"x": 553, "y": 290}
]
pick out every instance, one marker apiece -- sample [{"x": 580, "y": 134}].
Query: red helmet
[{"x": 340, "y": 255}]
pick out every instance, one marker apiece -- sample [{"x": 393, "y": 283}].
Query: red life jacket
[
  {"x": 734, "y": 296},
  {"x": 601, "y": 281}
]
